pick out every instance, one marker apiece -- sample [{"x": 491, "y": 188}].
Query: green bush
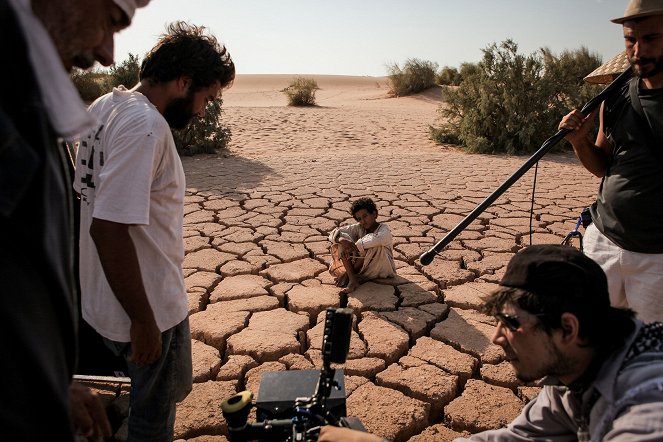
[
  {"x": 90, "y": 84},
  {"x": 449, "y": 76},
  {"x": 125, "y": 73},
  {"x": 204, "y": 134},
  {"x": 510, "y": 102},
  {"x": 415, "y": 76},
  {"x": 301, "y": 92},
  {"x": 567, "y": 71},
  {"x": 468, "y": 69},
  {"x": 443, "y": 135}
]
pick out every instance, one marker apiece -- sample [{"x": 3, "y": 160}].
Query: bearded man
[
  {"x": 131, "y": 182},
  {"x": 600, "y": 368},
  {"x": 626, "y": 238}
]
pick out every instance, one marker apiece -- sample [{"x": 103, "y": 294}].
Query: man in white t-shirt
[{"x": 132, "y": 187}]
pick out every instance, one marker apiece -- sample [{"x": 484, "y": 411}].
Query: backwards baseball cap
[
  {"x": 640, "y": 8},
  {"x": 130, "y": 6},
  {"x": 557, "y": 270}
]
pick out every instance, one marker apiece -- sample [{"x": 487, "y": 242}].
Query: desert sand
[{"x": 421, "y": 364}]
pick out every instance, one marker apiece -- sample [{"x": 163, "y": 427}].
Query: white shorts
[{"x": 635, "y": 280}]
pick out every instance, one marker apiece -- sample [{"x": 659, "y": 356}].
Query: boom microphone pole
[{"x": 427, "y": 257}]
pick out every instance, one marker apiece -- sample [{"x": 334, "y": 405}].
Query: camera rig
[{"x": 284, "y": 416}]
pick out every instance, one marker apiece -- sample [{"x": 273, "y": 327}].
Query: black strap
[{"x": 652, "y": 141}]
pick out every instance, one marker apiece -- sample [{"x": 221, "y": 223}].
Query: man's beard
[
  {"x": 179, "y": 111},
  {"x": 657, "y": 66},
  {"x": 560, "y": 365},
  {"x": 84, "y": 60}
]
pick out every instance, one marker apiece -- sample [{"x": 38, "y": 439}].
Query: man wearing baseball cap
[
  {"x": 602, "y": 370},
  {"x": 41, "y": 41},
  {"x": 626, "y": 237}
]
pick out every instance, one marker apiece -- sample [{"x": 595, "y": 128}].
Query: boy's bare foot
[
  {"x": 342, "y": 280},
  {"x": 352, "y": 286}
]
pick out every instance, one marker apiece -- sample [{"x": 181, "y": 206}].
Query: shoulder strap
[
  {"x": 635, "y": 99},
  {"x": 652, "y": 139}
]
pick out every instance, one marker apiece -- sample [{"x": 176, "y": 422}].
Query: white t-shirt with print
[{"x": 128, "y": 171}]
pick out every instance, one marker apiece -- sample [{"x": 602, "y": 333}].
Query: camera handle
[{"x": 335, "y": 345}]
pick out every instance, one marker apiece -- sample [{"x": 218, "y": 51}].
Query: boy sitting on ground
[{"x": 362, "y": 251}]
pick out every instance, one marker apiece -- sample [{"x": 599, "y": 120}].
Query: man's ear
[
  {"x": 570, "y": 328},
  {"x": 184, "y": 82}
]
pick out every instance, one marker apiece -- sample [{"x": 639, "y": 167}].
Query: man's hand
[
  {"x": 596, "y": 156},
  {"x": 87, "y": 412},
  {"x": 338, "y": 434},
  {"x": 145, "y": 343},
  {"x": 579, "y": 125}
]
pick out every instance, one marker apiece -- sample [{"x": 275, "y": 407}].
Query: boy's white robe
[{"x": 375, "y": 249}]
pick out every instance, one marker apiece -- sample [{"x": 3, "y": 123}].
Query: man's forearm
[{"x": 120, "y": 263}]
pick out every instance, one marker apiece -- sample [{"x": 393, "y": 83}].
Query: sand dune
[
  {"x": 352, "y": 113},
  {"x": 253, "y": 90}
]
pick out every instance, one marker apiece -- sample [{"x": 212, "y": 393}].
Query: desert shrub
[
  {"x": 449, "y": 76},
  {"x": 301, "y": 92},
  {"x": 125, "y": 73},
  {"x": 204, "y": 134},
  {"x": 90, "y": 84},
  {"x": 95, "y": 83},
  {"x": 443, "y": 135},
  {"x": 567, "y": 71},
  {"x": 415, "y": 76},
  {"x": 468, "y": 69},
  {"x": 510, "y": 102}
]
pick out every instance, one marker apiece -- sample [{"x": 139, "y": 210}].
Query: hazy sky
[{"x": 360, "y": 37}]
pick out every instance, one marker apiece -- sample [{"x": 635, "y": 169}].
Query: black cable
[{"x": 531, "y": 210}]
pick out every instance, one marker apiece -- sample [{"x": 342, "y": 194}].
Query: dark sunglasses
[{"x": 512, "y": 322}]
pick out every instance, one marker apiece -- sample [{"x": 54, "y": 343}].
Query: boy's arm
[
  {"x": 344, "y": 233},
  {"x": 380, "y": 238}
]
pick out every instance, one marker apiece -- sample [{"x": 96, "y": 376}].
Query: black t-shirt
[{"x": 629, "y": 205}]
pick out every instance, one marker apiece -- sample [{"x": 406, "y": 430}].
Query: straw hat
[
  {"x": 640, "y": 8},
  {"x": 609, "y": 70}
]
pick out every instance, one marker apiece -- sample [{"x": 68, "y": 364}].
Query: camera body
[
  {"x": 284, "y": 411},
  {"x": 279, "y": 390}
]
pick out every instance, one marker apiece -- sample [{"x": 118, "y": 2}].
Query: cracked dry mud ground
[{"x": 421, "y": 363}]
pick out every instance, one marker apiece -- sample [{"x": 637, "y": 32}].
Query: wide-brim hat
[
  {"x": 608, "y": 71},
  {"x": 640, "y": 8}
]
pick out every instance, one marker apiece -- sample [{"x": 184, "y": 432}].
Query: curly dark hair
[
  {"x": 602, "y": 328},
  {"x": 363, "y": 203},
  {"x": 186, "y": 50}
]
